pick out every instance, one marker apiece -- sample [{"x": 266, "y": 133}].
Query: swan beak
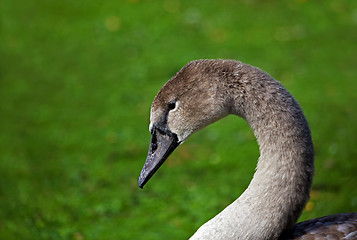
[{"x": 161, "y": 146}]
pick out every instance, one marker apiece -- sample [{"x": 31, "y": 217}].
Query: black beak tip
[
  {"x": 140, "y": 185},
  {"x": 141, "y": 182}
]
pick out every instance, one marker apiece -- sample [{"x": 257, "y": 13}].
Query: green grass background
[{"x": 76, "y": 83}]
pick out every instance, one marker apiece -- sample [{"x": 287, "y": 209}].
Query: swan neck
[{"x": 280, "y": 186}]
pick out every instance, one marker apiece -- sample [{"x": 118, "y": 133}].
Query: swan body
[{"x": 205, "y": 91}]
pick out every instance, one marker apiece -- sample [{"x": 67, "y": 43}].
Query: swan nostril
[
  {"x": 154, "y": 147},
  {"x": 154, "y": 143}
]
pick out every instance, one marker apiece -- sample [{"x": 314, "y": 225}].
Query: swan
[{"x": 205, "y": 91}]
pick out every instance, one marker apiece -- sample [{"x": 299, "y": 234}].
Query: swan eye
[{"x": 172, "y": 105}]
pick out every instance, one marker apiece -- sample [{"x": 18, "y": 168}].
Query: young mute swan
[{"x": 205, "y": 91}]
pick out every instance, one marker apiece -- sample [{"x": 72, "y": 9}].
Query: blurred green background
[{"x": 77, "y": 81}]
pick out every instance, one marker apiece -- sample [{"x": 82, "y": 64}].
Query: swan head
[{"x": 188, "y": 102}]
